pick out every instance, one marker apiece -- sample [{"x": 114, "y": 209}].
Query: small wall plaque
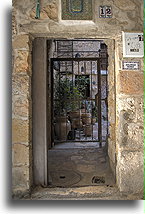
[
  {"x": 133, "y": 45},
  {"x": 105, "y": 12},
  {"x": 130, "y": 65},
  {"x": 76, "y": 9}
]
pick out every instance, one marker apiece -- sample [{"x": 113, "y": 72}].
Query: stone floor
[
  {"x": 79, "y": 171},
  {"x": 79, "y": 164}
]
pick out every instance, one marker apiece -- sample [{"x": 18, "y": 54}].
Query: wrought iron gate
[{"x": 79, "y": 100}]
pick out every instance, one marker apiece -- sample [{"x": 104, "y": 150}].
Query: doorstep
[{"x": 82, "y": 193}]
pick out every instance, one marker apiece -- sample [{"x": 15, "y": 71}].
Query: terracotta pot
[
  {"x": 75, "y": 114},
  {"x": 93, "y": 120},
  {"x": 84, "y": 115},
  {"x": 62, "y": 128},
  {"x": 88, "y": 130},
  {"x": 77, "y": 123},
  {"x": 87, "y": 120}
]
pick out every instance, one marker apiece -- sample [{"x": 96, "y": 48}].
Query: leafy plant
[
  {"x": 83, "y": 82},
  {"x": 67, "y": 96}
]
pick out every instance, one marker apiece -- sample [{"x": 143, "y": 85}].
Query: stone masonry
[{"x": 125, "y": 147}]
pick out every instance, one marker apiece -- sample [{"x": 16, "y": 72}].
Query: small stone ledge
[{"x": 82, "y": 193}]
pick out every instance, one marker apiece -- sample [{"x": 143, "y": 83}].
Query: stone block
[
  {"x": 49, "y": 11},
  {"x": 125, "y": 4},
  {"x": 20, "y": 177},
  {"x": 130, "y": 172},
  {"x": 20, "y": 131},
  {"x": 131, "y": 82},
  {"x": 132, "y": 136},
  {"x": 22, "y": 62},
  {"x": 43, "y": 14},
  {"x": 20, "y": 154},
  {"x": 127, "y": 106},
  {"x": 21, "y": 84},
  {"x": 21, "y": 107},
  {"x": 21, "y": 42}
]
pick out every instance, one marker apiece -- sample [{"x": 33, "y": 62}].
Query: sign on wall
[
  {"x": 133, "y": 45},
  {"x": 105, "y": 12},
  {"x": 130, "y": 65}
]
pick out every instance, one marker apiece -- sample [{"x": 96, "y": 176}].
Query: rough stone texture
[
  {"x": 21, "y": 107},
  {"x": 49, "y": 11},
  {"x": 125, "y": 4},
  {"x": 14, "y": 23},
  {"x": 131, "y": 82},
  {"x": 21, "y": 42},
  {"x": 20, "y": 131},
  {"x": 20, "y": 154},
  {"x": 21, "y": 84},
  {"x": 129, "y": 129},
  {"x": 22, "y": 61},
  {"x": 130, "y": 167},
  {"x": 131, "y": 136},
  {"x": 20, "y": 177},
  {"x": 131, "y": 108}
]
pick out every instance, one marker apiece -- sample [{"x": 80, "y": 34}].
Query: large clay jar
[
  {"x": 77, "y": 123},
  {"x": 88, "y": 130},
  {"x": 86, "y": 118},
  {"x": 93, "y": 120},
  {"x": 62, "y": 128},
  {"x": 75, "y": 114}
]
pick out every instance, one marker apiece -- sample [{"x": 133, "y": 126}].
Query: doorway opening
[{"x": 78, "y": 81}]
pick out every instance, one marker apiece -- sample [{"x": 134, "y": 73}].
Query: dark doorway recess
[
  {"x": 70, "y": 113},
  {"x": 79, "y": 114}
]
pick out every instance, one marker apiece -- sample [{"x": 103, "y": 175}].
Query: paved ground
[
  {"x": 73, "y": 168},
  {"x": 79, "y": 172},
  {"x": 78, "y": 164}
]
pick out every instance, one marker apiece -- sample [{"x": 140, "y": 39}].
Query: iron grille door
[{"x": 77, "y": 100}]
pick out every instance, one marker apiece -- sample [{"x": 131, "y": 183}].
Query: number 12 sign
[{"x": 105, "y": 12}]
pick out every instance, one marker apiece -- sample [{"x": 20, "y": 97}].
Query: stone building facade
[{"x": 125, "y": 147}]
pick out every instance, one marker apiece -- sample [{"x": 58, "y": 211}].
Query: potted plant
[{"x": 67, "y": 97}]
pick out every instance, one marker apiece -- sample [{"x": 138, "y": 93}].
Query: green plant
[
  {"x": 83, "y": 83},
  {"x": 67, "y": 96},
  {"x": 95, "y": 113}
]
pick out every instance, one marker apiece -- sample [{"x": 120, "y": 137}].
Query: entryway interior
[{"x": 78, "y": 107}]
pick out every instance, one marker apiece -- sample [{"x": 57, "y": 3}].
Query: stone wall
[
  {"x": 21, "y": 115},
  {"x": 129, "y": 121},
  {"x": 126, "y": 127}
]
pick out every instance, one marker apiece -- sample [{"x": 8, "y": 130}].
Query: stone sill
[{"x": 80, "y": 193}]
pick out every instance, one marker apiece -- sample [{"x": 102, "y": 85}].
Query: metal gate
[{"x": 79, "y": 101}]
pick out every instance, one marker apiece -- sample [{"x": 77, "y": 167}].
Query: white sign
[
  {"x": 133, "y": 45},
  {"x": 130, "y": 65},
  {"x": 105, "y": 12}
]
